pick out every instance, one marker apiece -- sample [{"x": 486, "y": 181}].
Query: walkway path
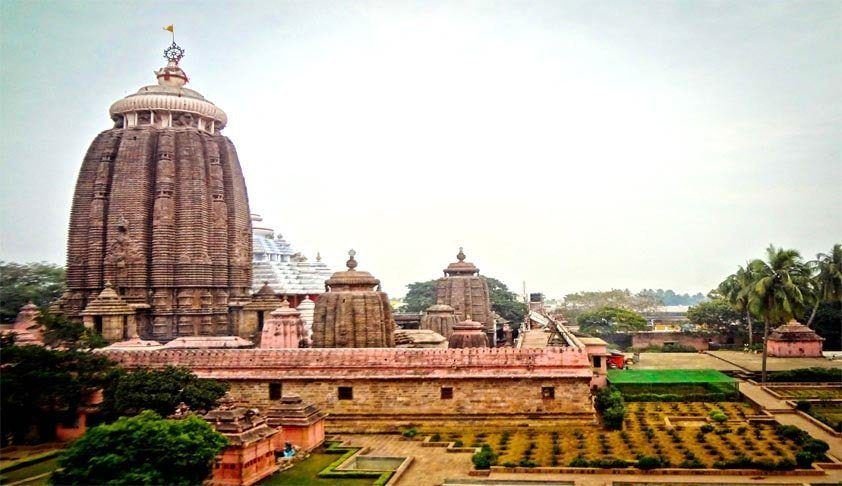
[{"x": 785, "y": 414}]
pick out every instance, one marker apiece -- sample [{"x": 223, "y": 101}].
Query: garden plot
[{"x": 647, "y": 432}]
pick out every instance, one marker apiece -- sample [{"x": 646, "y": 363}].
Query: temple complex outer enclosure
[{"x": 161, "y": 212}]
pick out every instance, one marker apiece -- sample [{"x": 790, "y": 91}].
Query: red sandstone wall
[{"x": 811, "y": 349}]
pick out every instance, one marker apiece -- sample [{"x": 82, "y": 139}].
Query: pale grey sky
[{"x": 573, "y": 145}]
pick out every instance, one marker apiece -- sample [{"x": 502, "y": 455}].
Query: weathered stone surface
[
  {"x": 468, "y": 334},
  {"x": 161, "y": 210},
  {"x": 27, "y": 329},
  {"x": 353, "y": 313},
  {"x": 284, "y": 329},
  {"x": 419, "y": 338},
  {"x": 393, "y": 386},
  {"x": 795, "y": 339},
  {"x": 440, "y": 319},
  {"x": 466, "y": 291}
]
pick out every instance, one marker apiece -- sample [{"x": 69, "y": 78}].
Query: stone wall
[
  {"x": 644, "y": 339},
  {"x": 390, "y": 388}
]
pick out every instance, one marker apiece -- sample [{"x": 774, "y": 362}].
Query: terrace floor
[
  {"x": 753, "y": 362},
  {"x": 728, "y": 361}
]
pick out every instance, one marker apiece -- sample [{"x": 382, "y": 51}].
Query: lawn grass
[
  {"x": 829, "y": 413},
  {"x": 19, "y": 474},
  {"x": 305, "y": 473}
]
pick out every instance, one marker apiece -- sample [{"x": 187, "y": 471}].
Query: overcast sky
[{"x": 572, "y": 145}]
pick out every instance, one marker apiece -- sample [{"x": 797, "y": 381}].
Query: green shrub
[
  {"x": 458, "y": 443},
  {"x": 813, "y": 375},
  {"x": 609, "y": 463},
  {"x": 484, "y": 458},
  {"x": 691, "y": 464},
  {"x": 649, "y": 462},
  {"x": 803, "y": 405},
  {"x": 706, "y": 428},
  {"x": 527, "y": 463},
  {"x": 613, "y": 417},
  {"x": 792, "y": 433},
  {"x": 579, "y": 461},
  {"x": 804, "y": 459},
  {"x": 509, "y": 464},
  {"x": 436, "y": 437},
  {"x": 717, "y": 416},
  {"x": 410, "y": 432},
  {"x": 815, "y": 446}
]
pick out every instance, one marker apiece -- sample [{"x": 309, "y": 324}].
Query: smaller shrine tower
[
  {"x": 353, "y": 312},
  {"x": 467, "y": 292}
]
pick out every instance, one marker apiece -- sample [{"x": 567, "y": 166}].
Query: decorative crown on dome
[
  {"x": 461, "y": 267},
  {"x": 352, "y": 279}
]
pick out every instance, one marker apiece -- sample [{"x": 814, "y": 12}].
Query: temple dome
[
  {"x": 463, "y": 289},
  {"x": 168, "y": 103},
  {"x": 353, "y": 313}
]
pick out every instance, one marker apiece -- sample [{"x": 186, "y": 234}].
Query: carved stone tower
[
  {"x": 466, "y": 291},
  {"x": 161, "y": 211},
  {"x": 353, "y": 313}
]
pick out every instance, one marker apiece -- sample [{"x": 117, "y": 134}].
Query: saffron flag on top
[{"x": 169, "y": 28}]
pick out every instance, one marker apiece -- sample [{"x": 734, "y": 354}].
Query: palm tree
[
  {"x": 738, "y": 290},
  {"x": 828, "y": 279},
  {"x": 777, "y": 294}
]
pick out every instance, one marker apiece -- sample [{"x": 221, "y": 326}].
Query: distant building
[
  {"x": 287, "y": 272},
  {"x": 667, "y": 318}
]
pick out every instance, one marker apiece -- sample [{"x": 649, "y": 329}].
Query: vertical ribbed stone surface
[
  {"x": 466, "y": 291},
  {"x": 439, "y": 318},
  {"x": 354, "y": 313},
  {"x": 161, "y": 211}
]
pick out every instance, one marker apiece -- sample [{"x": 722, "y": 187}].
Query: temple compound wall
[{"x": 372, "y": 390}]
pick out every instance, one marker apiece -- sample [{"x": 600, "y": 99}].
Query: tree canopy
[
  {"x": 160, "y": 391},
  {"x": 610, "y": 319},
  {"x": 41, "y": 283},
  {"x": 718, "y": 314},
  {"x": 144, "y": 449},
  {"x": 669, "y": 297},
  {"x": 40, "y": 387},
  {"x": 420, "y": 296},
  {"x": 583, "y": 302}
]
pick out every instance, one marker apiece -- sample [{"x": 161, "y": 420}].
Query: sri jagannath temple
[{"x": 166, "y": 262}]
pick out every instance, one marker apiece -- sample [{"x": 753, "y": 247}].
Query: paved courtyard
[
  {"x": 687, "y": 361},
  {"x": 753, "y": 362}
]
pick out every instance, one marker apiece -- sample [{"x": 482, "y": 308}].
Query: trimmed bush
[
  {"x": 410, "y": 432},
  {"x": 485, "y": 458},
  {"x": 803, "y": 405},
  {"x": 649, "y": 462}
]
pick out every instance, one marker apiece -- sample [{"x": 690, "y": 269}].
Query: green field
[{"x": 306, "y": 473}]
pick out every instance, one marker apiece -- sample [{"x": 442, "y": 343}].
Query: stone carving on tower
[
  {"x": 467, "y": 292},
  {"x": 161, "y": 210},
  {"x": 353, "y": 312}
]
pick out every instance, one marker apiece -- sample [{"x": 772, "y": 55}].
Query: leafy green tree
[
  {"x": 717, "y": 314},
  {"x": 420, "y": 296},
  {"x": 738, "y": 290},
  {"x": 160, "y": 391},
  {"x": 41, "y": 387},
  {"x": 505, "y": 303},
  {"x": 62, "y": 332},
  {"x": 144, "y": 449},
  {"x": 777, "y": 294},
  {"x": 41, "y": 283},
  {"x": 610, "y": 319},
  {"x": 828, "y": 279},
  {"x": 581, "y": 302}
]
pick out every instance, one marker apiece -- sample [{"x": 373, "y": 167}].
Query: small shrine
[
  {"x": 307, "y": 308},
  {"x": 354, "y": 312},
  {"x": 440, "y": 319},
  {"x": 793, "y": 340},
  {"x": 250, "y": 454},
  {"x": 463, "y": 289},
  {"x": 284, "y": 329},
  {"x": 257, "y": 311},
  {"x": 468, "y": 334},
  {"x": 303, "y": 424},
  {"x": 110, "y": 316},
  {"x": 27, "y": 329}
]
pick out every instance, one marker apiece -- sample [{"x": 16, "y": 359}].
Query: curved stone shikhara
[
  {"x": 466, "y": 291},
  {"x": 161, "y": 213},
  {"x": 359, "y": 319}
]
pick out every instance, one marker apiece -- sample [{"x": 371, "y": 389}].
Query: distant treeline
[{"x": 668, "y": 297}]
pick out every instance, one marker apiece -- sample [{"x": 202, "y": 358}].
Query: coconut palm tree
[
  {"x": 777, "y": 294},
  {"x": 738, "y": 290},
  {"x": 828, "y": 280}
]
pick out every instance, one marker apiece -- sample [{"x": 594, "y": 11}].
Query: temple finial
[
  {"x": 351, "y": 263},
  {"x": 461, "y": 255},
  {"x": 174, "y": 52},
  {"x": 318, "y": 256}
]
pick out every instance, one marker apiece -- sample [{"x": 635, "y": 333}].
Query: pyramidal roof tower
[{"x": 161, "y": 211}]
